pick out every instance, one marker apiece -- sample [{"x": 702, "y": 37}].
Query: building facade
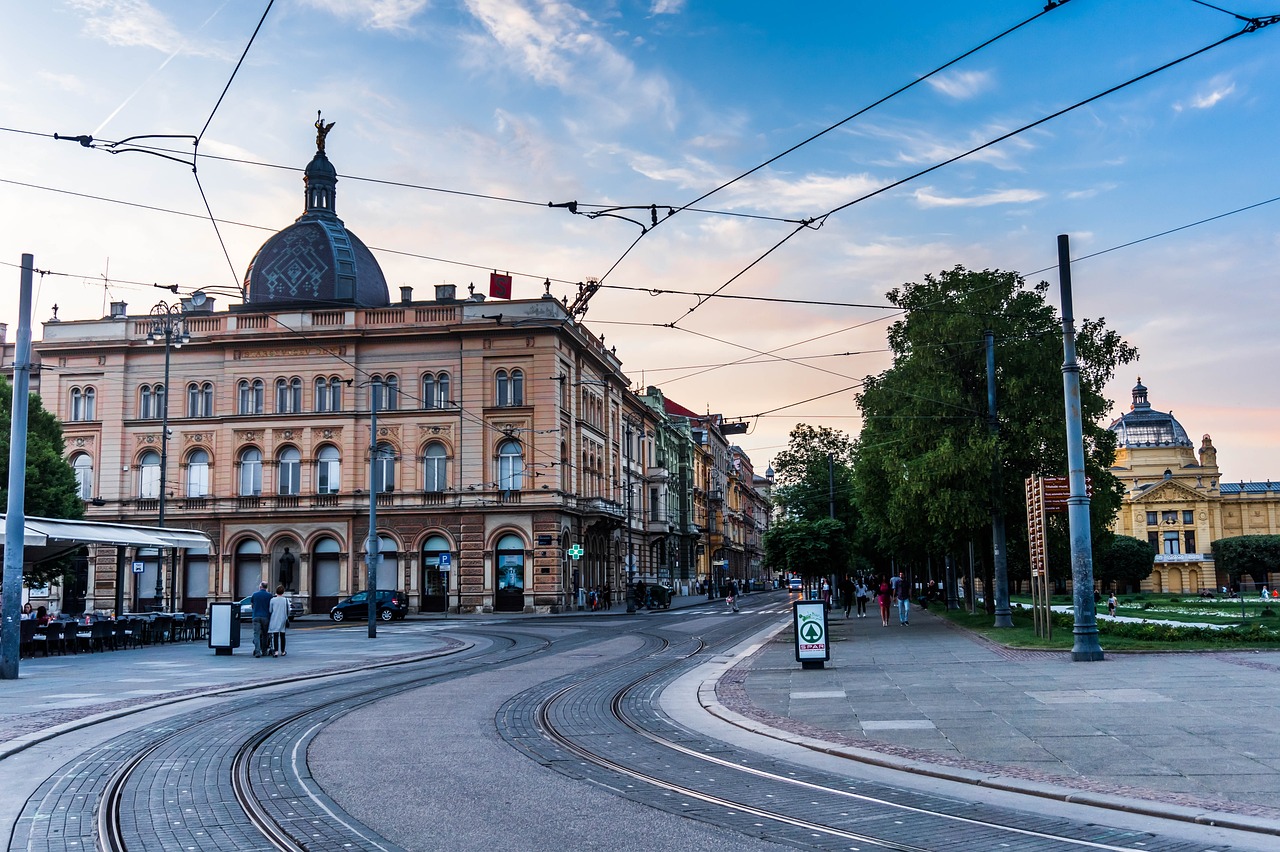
[
  {"x": 1176, "y": 500},
  {"x": 478, "y": 455}
]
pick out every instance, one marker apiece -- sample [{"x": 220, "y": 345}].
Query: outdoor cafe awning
[{"x": 46, "y": 538}]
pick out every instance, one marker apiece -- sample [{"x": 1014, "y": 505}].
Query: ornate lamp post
[{"x": 168, "y": 326}]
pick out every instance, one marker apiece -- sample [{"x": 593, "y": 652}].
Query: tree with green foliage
[
  {"x": 923, "y": 469},
  {"x": 816, "y": 529},
  {"x": 1255, "y": 555},
  {"x": 1123, "y": 561},
  {"x": 50, "y": 490}
]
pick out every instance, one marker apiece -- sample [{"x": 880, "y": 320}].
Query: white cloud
[
  {"x": 374, "y": 14},
  {"x": 667, "y": 7},
  {"x": 926, "y": 197},
  {"x": 129, "y": 23},
  {"x": 1218, "y": 89},
  {"x": 559, "y": 45},
  {"x": 961, "y": 85},
  {"x": 65, "y": 82},
  {"x": 918, "y": 147}
]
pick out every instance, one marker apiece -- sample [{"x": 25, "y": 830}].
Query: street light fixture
[{"x": 168, "y": 325}]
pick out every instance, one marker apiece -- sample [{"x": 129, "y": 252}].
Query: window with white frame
[
  {"x": 510, "y": 466},
  {"x": 288, "y": 395},
  {"x": 328, "y": 394},
  {"x": 508, "y": 388},
  {"x": 82, "y": 464},
  {"x": 149, "y": 475},
  {"x": 83, "y": 403},
  {"x": 384, "y": 468},
  {"x": 200, "y": 399},
  {"x": 328, "y": 470},
  {"x": 289, "y": 472},
  {"x": 386, "y": 392},
  {"x": 435, "y": 467},
  {"x": 249, "y": 394},
  {"x": 435, "y": 390},
  {"x": 250, "y": 472},
  {"x": 150, "y": 402},
  {"x": 198, "y": 473}
]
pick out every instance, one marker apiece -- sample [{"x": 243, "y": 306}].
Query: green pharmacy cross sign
[{"x": 576, "y": 551}]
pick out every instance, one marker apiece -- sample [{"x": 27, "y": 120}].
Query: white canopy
[{"x": 45, "y": 538}]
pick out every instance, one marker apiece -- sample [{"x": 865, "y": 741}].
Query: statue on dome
[{"x": 322, "y": 130}]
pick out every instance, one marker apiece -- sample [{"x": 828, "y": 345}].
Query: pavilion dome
[
  {"x": 316, "y": 259},
  {"x": 1143, "y": 426}
]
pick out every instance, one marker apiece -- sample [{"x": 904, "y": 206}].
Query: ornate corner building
[
  {"x": 496, "y": 446},
  {"x": 1175, "y": 498}
]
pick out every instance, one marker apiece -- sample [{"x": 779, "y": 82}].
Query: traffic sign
[
  {"x": 445, "y": 560},
  {"x": 138, "y": 567}
]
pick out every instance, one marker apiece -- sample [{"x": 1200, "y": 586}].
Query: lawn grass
[{"x": 1022, "y": 635}]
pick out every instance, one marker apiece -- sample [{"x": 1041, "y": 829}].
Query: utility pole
[
  {"x": 631, "y": 555},
  {"x": 372, "y": 548},
  {"x": 1004, "y": 616},
  {"x": 15, "y": 519},
  {"x": 1086, "y": 647}
]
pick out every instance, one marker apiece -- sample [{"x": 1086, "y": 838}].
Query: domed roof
[
  {"x": 316, "y": 259},
  {"x": 1143, "y": 426}
]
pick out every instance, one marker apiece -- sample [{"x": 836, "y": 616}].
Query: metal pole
[
  {"x": 372, "y": 545},
  {"x": 1086, "y": 647},
  {"x": 15, "y": 519},
  {"x": 164, "y": 460},
  {"x": 1000, "y": 562}
]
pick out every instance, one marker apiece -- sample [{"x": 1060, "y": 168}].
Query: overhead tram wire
[
  {"x": 1253, "y": 25},
  {"x": 802, "y": 224}
]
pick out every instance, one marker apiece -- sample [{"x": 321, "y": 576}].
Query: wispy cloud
[
  {"x": 65, "y": 82},
  {"x": 129, "y": 23},
  {"x": 926, "y": 197},
  {"x": 374, "y": 14},
  {"x": 920, "y": 147},
  {"x": 561, "y": 46},
  {"x": 1218, "y": 89},
  {"x": 666, "y": 7},
  {"x": 961, "y": 85}
]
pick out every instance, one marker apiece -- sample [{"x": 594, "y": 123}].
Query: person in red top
[{"x": 882, "y": 596}]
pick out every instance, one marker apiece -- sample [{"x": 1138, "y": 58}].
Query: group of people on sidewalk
[
  {"x": 270, "y": 620},
  {"x": 889, "y": 592}
]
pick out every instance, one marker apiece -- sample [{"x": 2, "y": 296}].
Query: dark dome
[
  {"x": 316, "y": 259},
  {"x": 1143, "y": 426}
]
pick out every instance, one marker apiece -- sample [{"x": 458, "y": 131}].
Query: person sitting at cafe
[{"x": 27, "y": 611}]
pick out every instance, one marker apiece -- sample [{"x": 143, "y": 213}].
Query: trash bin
[{"x": 224, "y": 627}]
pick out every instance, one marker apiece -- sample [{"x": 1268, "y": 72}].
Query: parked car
[
  {"x": 391, "y": 605},
  {"x": 246, "y": 607}
]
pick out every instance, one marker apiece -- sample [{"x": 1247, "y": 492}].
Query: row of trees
[{"x": 916, "y": 486}]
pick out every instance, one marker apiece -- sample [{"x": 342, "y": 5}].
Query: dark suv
[{"x": 391, "y": 605}]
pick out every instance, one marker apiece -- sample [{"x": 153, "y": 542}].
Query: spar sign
[{"x": 810, "y": 621}]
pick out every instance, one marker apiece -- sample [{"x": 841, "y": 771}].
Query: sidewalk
[{"x": 1176, "y": 730}]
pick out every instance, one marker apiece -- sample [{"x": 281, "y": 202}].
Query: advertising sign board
[{"x": 809, "y": 618}]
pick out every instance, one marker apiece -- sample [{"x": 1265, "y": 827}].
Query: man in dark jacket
[{"x": 261, "y": 601}]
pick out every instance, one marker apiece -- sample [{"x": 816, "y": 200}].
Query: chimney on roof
[
  {"x": 118, "y": 310},
  {"x": 406, "y": 295}
]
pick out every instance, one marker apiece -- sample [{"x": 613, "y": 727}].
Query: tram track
[{"x": 653, "y": 760}]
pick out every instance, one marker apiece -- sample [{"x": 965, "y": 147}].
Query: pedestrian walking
[
  {"x": 1111, "y": 606},
  {"x": 847, "y": 593},
  {"x": 261, "y": 601},
  {"x": 904, "y": 600},
  {"x": 278, "y": 622},
  {"x": 826, "y": 595},
  {"x": 861, "y": 592},
  {"x": 732, "y": 598},
  {"x": 882, "y": 595}
]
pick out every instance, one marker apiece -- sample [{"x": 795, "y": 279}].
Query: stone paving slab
[{"x": 1176, "y": 729}]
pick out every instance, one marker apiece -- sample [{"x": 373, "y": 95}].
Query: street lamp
[{"x": 168, "y": 325}]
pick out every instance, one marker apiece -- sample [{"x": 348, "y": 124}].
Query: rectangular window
[
  {"x": 1188, "y": 518},
  {"x": 1189, "y": 539},
  {"x": 654, "y": 514},
  {"x": 1171, "y": 543},
  {"x": 1154, "y": 540},
  {"x": 1152, "y": 519}
]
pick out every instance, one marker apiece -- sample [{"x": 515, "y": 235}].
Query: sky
[{"x": 459, "y": 123}]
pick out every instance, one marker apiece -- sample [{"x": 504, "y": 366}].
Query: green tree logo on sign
[{"x": 811, "y": 631}]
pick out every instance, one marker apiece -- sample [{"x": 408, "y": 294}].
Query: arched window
[
  {"x": 328, "y": 470},
  {"x": 249, "y": 396},
  {"x": 248, "y": 567},
  {"x": 250, "y": 472},
  {"x": 200, "y": 400},
  {"x": 435, "y": 579},
  {"x": 289, "y": 472},
  {"x": 509, "y": 571},
  {"x": 150, "y": 402},
  {"x": 384, "y": 469},
  {"x": 435, "y": 468},
  {"x": 82, "y": 404},
  {"x": 510, "y": 466},
  {"x": 321, "y": 395},
  {"x": 435, "y": 390},
  {"x": 288, "y": 395},
  {"x": 327, "y": 565},
  {"x": 149, "y": 475},
  {"x": 82, "y": 464},
  {"x": 386, "y": 392},
  {"x": 508, "y": 388},
  {"x": 198, "y": 474},
  {"x": 388, "y": 565},
  {"x": 335, "y": 394}
]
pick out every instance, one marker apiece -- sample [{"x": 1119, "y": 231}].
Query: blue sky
[{"x": 658, "y": 102}]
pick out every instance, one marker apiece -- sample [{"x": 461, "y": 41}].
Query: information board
[{"x": 810, "y": 621}]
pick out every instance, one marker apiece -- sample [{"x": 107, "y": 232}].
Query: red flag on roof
[{"x": 499, "y": 286}]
